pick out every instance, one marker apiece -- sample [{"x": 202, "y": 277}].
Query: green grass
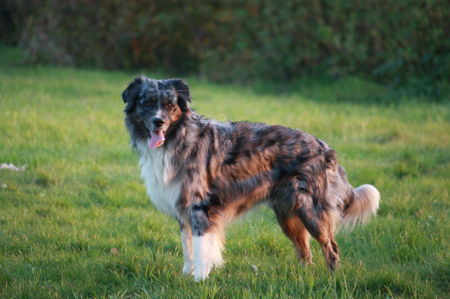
[{"x": 81, "y": 194}]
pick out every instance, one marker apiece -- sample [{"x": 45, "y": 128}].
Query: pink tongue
[{"x": 156, "y": 139}]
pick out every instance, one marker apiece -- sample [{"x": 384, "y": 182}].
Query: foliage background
[{"x": 398, "y": 43}]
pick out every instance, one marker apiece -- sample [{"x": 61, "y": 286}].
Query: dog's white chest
[{"x": 162, "y": 189}]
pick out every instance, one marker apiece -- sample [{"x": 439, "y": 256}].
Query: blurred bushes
[{"x": 390, "y": 41}]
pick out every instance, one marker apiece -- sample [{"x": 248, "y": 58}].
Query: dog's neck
[
  {"x": 187, "y": 123},
  {"x": 173, "y": 129}
]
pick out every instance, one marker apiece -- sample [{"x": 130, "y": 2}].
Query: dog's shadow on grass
[{"x": 161, "y": 245}]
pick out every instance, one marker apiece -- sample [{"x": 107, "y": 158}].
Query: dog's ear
[
  {"x": 130, "y": 94},
  {"x": 182, "y": 92}
]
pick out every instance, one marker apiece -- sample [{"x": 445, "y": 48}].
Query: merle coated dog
[{"x": 206, "y": 173}]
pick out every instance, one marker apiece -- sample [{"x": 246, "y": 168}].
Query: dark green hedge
[{"x": 230, "y": 40}]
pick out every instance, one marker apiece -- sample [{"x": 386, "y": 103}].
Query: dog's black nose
[{"x": 158, "y": 122}]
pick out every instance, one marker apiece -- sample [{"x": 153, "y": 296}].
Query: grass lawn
[{"x": 77, "y": 222}]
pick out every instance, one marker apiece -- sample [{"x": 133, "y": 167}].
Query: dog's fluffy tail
[{"x": 362, "y": 203}]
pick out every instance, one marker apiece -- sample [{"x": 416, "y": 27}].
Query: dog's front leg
[
  {"x": 207, "y": 242},
  {"x": 186, "y": 242}
]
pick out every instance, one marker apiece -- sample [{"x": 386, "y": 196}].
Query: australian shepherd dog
[{"x": 205, "y": 173}]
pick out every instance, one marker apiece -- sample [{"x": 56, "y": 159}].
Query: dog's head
[{"x": 156, "y": 105}]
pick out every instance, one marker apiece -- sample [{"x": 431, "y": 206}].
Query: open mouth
[{"x": 156, "y": 138}]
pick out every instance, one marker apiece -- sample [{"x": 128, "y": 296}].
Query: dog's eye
[{"x": 149, "y": 103}]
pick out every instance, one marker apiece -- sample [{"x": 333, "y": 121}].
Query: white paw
[
  {"x": 218, "y": 262},
  {"x": 201, "y": 273},
  {"x": 187, "y": 268}
]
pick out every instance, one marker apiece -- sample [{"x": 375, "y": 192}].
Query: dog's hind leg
[
  {"x": 321, "y": 223},
  {"x": 328, "y": 220},
  {"x": 294, "y": 229},
  {"x": 207, "y": 242}
]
